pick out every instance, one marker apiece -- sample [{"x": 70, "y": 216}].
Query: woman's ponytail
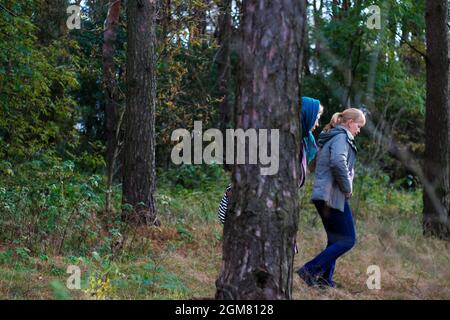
[
  {"x": 344, "y": 116},
  {"x": 335, "y": 120}
]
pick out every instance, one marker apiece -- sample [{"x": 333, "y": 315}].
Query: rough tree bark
[
  {"x": 139, "y": 139},
  {"x": 436, "y": 220},
  {"x": 261, "y": 226},
  {"x": 111, "y": 93}
]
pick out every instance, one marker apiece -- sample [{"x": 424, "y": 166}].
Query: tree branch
[
  {"x": 7, "y": 10},
  {"x": 424, "y": 55}
]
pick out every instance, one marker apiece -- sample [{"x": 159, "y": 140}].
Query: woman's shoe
[{"x": 307, "y": 277}]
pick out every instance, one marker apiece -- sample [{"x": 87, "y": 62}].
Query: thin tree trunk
[
  {"x": 139, "y": 142},
  {"x": 345, "y": 6},
  {"x": 261, "y": 226},
  {"x": 348, "y": 78},
  {"x": 335, "y": 10},
  {"x": 436, "y": 220},
  {"x": 165, "y": 19},
  {"x": 51, "y": 19},
  {"x": 348, "y": 66},
  {"x": 317, "y": 15},
  {"x": 202, "y": 19},
  {"x": 224, "y": 66},
  {"x": 111, "y": 94}
]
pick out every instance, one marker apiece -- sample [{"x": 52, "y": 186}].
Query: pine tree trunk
[
  {"x": 111, "y": 94},
  {"x": 261, "y": 226},
  {"x": 437, "y": 151},
  {"x": 139, "y": 142}
]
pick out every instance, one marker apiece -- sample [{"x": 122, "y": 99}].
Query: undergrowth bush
[{"x": 46, "y": 206}]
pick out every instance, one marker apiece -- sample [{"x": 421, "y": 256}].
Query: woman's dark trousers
[{"x": 340, "y": 229}]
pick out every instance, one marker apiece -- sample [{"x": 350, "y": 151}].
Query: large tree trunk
[
  {"x": 139, "y": 141},
  {"x": 261, "y": 226},
  {"x": 111, "y": 94},
  {"x": 436, "y": 204}
]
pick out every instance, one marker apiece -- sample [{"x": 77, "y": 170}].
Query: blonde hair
[{"x": 344, "y": 116}]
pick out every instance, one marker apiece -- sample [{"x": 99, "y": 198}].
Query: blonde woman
[{"x": 333, "y": 187}]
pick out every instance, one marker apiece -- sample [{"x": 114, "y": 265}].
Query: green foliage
[
  {"x": 185, "y": 234},
  {"x": 187, "y": 91},
  {"x": 6, "y": 257},
  {"x": 191, "y": 192},
  {"x": 155, "y": 278},
  {"x": 60, "y": 292},
  {"x": 36, "y": 108},
  {"x": 188, "y": 176},
  {"x": 50, "y": 206}
]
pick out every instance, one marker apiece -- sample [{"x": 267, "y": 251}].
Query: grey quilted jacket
[{"x": 334, "y": 173}]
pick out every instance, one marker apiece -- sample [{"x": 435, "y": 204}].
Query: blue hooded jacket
[{"x": 310, "y": 110}]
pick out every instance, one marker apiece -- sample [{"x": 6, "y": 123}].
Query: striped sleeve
[{"x": 223, "y": 205}]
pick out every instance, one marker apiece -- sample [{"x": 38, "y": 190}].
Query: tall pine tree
[
  {"x": 436, "y": 197},
  {"x": 139, "y": 173},
  {"x": 260, "y": 230}
]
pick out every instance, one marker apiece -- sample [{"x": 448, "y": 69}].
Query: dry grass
[{"x": 411, "y": 268}]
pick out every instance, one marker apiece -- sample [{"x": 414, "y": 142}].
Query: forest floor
[{"x": 182, "y": 258}]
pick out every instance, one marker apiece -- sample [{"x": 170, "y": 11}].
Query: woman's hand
[{"x": 348, "y": 195}]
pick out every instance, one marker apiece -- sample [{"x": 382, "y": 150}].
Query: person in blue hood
[
  {"x": 332, "y": 188},
  {"x": 311, "y": 112},
  {"x": 310, "y": 115}
]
